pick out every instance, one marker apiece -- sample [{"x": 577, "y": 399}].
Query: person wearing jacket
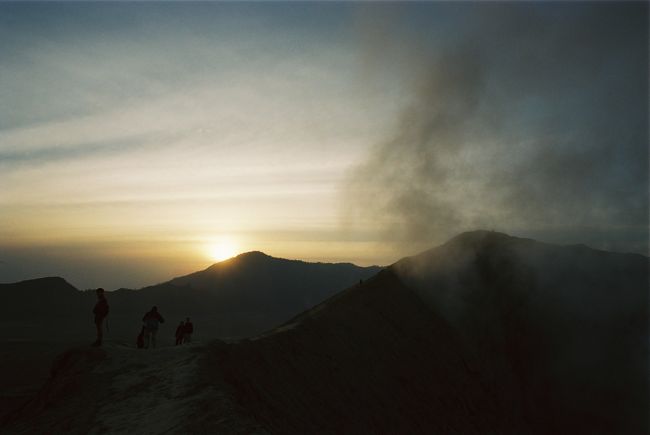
[
  {"x": 151, "y": 320},
  {"x": 100, "y": 311}
]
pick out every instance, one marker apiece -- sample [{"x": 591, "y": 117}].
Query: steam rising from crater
[{"x": 530, "y": 118}]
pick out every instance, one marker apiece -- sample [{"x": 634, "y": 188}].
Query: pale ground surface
[
  {"x": 151, "y": 389},
  {"x": 159, "y": 391}
]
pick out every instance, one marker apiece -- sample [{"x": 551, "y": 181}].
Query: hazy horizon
[{"x": 144, "y": 141}]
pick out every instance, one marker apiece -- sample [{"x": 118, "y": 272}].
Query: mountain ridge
[
  {"x": 243, "y": 295},
  {"x": 42, "y": 282}
]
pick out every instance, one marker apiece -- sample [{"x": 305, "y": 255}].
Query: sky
[{"x": 142, "y": 141}]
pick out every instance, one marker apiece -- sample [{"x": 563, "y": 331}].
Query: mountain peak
[
  {"x": 481, "y": 237},
  {"x": 253, "y": 254},
  {"x": 246, "y": 257},
  {"x": 476, "y": 240},
  {"x": 45, "y": 279}
]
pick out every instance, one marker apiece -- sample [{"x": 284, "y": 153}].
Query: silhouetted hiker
[
  {"x": 187, "y": 331},
  {"x": 140, "y": 340},
  {"x": 180, "y": 330},
  {"x": 100, "y": 311},
  {"x": 151, "y": 321}
]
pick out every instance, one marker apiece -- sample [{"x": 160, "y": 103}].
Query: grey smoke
[{"x": 528, "y": 118}]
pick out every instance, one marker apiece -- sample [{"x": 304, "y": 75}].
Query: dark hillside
[
  {"x": 485, "y": 334},
  {"x": 243, "y": 296},
  {"x": 374, "y": 359},
  {"x": 567, "y": 324}
]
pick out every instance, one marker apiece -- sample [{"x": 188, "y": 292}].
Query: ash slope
[{"x": 485, "y": 334}]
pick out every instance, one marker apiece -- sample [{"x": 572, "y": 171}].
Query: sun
[{"x": 222, "y": 250}]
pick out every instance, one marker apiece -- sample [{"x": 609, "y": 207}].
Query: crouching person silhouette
[
  {"x": 139, "y": 341},
  {"x": 100, "y": 311},
  {"x": 179, "y": 333},
  {"x": 151, "y": 322},
  {"x": 188, "y": 329}
]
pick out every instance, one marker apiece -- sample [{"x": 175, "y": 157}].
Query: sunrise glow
[{"x": 222, "y": 250}]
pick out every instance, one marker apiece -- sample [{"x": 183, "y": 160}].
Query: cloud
[{"x": 530, "y": 118}]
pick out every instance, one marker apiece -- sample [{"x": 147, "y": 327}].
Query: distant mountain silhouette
[
  {"x": 41, "y": 309},
  {"x": 245, "y": 295},
  {"x": 35, "y": 294},
  {"x": 485, "y": 334}
]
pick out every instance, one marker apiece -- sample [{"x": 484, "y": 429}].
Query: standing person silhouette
[
  {"x": 100, "y": 311},
  {"x": 151, "y": 320}
]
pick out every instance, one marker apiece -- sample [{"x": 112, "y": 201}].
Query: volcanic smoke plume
[{"x": 534, "y": 120}]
